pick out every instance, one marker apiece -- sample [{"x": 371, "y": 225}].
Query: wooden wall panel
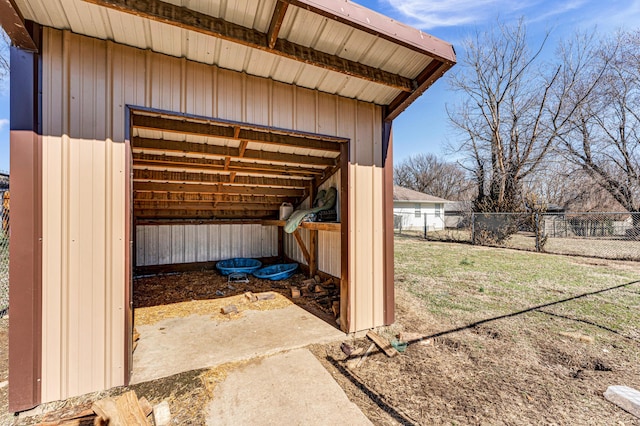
[{"x": 89, "y": 84}]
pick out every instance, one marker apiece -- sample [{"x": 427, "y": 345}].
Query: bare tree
[
  {"x": 604, "y": 140},
  {"x": 4, "y": 54},
  {"x": 431, "y": 175},
  {"x": 514, "y": 108}
]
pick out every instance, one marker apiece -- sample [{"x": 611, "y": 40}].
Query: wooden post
[
  {"x": 313, "y": 252},
  {"x": 280, "y": 242}
]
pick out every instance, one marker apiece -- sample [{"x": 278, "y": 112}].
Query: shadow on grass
[
  {"x": 532, "y": 309},
  {"x": 372, "y": 395},
  {"x": 587, "y": 322},
  {"x": 402, "y": 418}
]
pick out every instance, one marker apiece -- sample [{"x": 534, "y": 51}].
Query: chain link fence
[
  {"x": 4, "y": 253},
  {"x": 415, "y": 224},
  {"x": 606, "y": 235}
]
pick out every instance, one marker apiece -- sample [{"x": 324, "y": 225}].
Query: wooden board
[
  {"x": 382, "y": 343},
  {"x": 123, "y": 410}
]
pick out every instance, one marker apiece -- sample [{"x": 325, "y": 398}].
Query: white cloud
[
  {"x": 429, "y": 14},
  {"x": 3, "y": 122}
]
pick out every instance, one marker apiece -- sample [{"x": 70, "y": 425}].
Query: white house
[{"x": 413, "y": 209}]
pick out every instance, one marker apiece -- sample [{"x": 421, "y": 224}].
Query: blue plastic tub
[
  {"x": 238, "y": 264},
  {"x": 281, "y": 271}
]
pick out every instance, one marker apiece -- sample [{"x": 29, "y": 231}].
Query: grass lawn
[{"x": 545, "y": 366}]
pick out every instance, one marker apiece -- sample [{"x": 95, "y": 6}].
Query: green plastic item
[{"x": 325, "y": 200}]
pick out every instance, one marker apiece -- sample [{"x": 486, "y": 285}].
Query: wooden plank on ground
[
  {"x": 382, "y": 343},
  {"x": 124, "y": 410}
]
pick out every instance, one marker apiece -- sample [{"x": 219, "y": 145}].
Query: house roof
[
  {"x": 401, "y": 193},
  {"x": 333, "y": 46}
]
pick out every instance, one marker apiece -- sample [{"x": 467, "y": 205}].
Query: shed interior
[{"x": 205, "y": 190}]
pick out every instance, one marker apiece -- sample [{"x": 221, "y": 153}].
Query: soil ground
[{"x": 513, "y": 338}]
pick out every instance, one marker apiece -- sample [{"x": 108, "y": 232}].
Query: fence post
[
  {"x": 537, "y": 227},
  {"x": 424, "y": 217},
  {"x": 473, "y": 228}
]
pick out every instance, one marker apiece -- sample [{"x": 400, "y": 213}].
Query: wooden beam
[
  {"x": 220, "y": 129},
  {"x": 225, "y": 151},
  {"x": 427, "y": 77},
  {"x": 277, "y": 18},
  {"x": 182, "y": 17},
  {"x": 181, "y": 197},
  {"x": 186, "y": 177},
  {"x": 201, "y": 215},
  {"x": 214, "y": 189},
  {"x": 303, "y": 248},
  {"x": 151, "y": 205},
  {"x": 14, "y": 25},
  {"x": 141, "y": 160}
]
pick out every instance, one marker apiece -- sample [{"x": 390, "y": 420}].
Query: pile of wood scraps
[
  {"x": 123, "y": 410},
  {"x": 325, "y": 293}
]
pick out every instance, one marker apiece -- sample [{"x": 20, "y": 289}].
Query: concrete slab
[
  {"x": 176, "y": 345},
  {"x": 290, "y": 388}
]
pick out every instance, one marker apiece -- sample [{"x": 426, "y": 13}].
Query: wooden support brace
[{"x": 305, "y": 252}]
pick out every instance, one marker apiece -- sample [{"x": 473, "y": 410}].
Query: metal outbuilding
[{"x": 169, "y": 132}]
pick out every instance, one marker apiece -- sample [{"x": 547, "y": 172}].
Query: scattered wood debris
[
  {"x": 422, "y": 339},
  {"x": 229, "y": 309},
  {"x": 382, "y": 343},
  {"x": 135, "y": 338},
  {"x": 146, "y": 406},
  {"x": 335, "y": 308},
  {"x": 346, "y": 348},
  {"x": 250, "y": 296},
  {"x": 265, "y": 296},
  {"x": 80, "y": 418},
  {"x": 357, "y": 362},
  {"x": 295, "y": 292},
  {"x": 123, "y": 410},
  {"x": 162, "y": 414}
]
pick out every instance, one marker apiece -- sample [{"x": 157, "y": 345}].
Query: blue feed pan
[
  {"x": 277, "y": 272},
  {"x": 238, "y": 264}
]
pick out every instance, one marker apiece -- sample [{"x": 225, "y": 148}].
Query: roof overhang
[{"x": 333, "y": 46}]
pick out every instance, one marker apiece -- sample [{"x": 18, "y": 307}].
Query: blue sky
[{"x": 423, "y": 127}]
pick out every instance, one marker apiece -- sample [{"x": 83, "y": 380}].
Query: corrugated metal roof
[{"x": 304, "y": 27}]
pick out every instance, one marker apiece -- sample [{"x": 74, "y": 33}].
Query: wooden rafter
[
  {"x": 216, "y": 189},
  {"x": 181, "y": 197},
  {"x": 142, "y": 160},
  {"x": 182, "y": 17},
  {"x": 226, "y": 151},
  {"x": 277, "y": 19},
  {"x": 227, "y": 131},
  {"x": 145, "y": 205},
  {"x": 200, "y": 214},
  {"x": 13, "y": 24},
  {"x": 173, "y": 177}
]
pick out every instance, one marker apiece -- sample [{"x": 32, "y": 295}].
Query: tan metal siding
[
  {"x": 88, "y": 84},
  {"x": 167, "y": 244},
  {"x": 83, "y": 223}
]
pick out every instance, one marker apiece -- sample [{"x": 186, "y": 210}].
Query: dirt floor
[{"x": 210, "y": 285}]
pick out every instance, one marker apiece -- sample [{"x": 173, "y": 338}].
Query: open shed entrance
[{"x": 204, "y": 190}]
